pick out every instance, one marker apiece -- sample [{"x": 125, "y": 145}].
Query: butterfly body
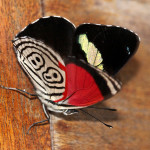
[{"x": 68, "y": 66}]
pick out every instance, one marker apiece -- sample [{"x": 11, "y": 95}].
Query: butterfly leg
[
  {"x": 18, "y": 90},
  {"x": 70, "y": 112},
  {"x": 39, "y": 122},
  {"x": 35, "y": 124},
  {"x": 24, "y": 92},
  {"x": 45, "y": 111}
]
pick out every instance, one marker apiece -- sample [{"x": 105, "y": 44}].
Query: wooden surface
[{"x": 132, "y": 120}]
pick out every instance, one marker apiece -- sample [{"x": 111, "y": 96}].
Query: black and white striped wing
[{"x": 43, "y": 66}]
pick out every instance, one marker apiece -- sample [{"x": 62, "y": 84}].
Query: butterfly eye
[
  {"x": 36, "y": 60},
  {"x": 52, "y": 75}
]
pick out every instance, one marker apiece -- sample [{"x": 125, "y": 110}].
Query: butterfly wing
[
  {"x": 61, "y": 80},
  {"x": 43, "y": 66},
  {"x": 77, "y": 84},
  {"x": 55, "y": 32},
  {"x": 46, "y": 39},
  {"x": 106, "y": 47}
]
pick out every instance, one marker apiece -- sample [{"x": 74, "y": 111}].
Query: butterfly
[{"x": 73, "y": 67}]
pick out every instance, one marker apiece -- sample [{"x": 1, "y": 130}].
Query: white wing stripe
[
  {"x": 21, "y": 40},
  {"x": 112, "y": 84},
  {"x": 109, "y": 84}
]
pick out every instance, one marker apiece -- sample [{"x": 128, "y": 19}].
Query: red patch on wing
[
  {"x": 62, "y": 67},
  {"x": 81, "y": 86}
]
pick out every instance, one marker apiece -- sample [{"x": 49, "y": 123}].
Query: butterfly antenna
[
  {"x": 36, "y": 123},
  {"x": 110, "y": 109},
  {"x": 18, "y": 90},
  {"x": 97, "y": 119}
]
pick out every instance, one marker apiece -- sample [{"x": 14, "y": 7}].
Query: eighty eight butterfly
[{"x": 71, "y": 67}]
